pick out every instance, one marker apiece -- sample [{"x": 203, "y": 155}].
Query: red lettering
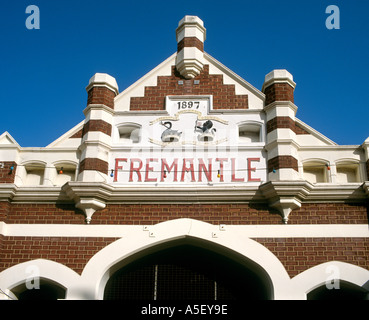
[
  {"x": 208, "y": 172},
  {"x": 204, "y": 167},
  {"x": 117, "y": 168},
  {"x": 165, "y": 167},
  {"x": 249, "y": 169},
  {"x": 186, "y": 169},
  {"x": 137, "y": 170},
  {"x": 234, "y": 179},
  {"x": 149, "y": 169}
]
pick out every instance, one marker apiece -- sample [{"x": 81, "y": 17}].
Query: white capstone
[
  {"x": 278, "y": 76},
  {"x": 191, "y": 26},
  {"x": 103, "y": 79}
]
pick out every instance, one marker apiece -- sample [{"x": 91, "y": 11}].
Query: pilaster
[
  {"x": 280, "y": 116},
  {"x": 96, "y": 134}
]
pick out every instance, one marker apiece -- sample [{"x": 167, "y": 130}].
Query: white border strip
[{"x": 251, "y": 231}]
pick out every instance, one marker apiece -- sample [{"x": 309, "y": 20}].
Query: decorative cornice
[
  {"x": 40, "y": 194},
  {"x": 338, "y": 192},
  {"x": 308, "y": 192},
  {"x": 7, "y": 191},
  {"x": 285, "y": 196},
  {"x": 160, "y": 194},
  {"x": 269, "y": 191}
]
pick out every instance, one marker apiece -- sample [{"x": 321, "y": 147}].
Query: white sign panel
[{"x": 190, "y": 145}]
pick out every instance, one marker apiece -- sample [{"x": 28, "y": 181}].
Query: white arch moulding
[
  {"x": 317, "y": 276},
  {"x": 123, "y": 251},
  {"x": 46, "y": 269}
]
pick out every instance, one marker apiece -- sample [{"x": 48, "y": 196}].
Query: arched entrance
[
  {"x": 248, "y": 254},
  {"x": 46, "y": 290},
  {"x": 186, "y": 271},
  {"x": 345, "y": 291}
]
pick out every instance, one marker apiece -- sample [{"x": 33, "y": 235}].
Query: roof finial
[{"x": 191, "y": 35}]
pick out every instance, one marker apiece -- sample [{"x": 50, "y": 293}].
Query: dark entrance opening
[
  {"x": 346, "y": 291},
  {"x": 46, "y": 291},
  {"x": 186, "y": 272}
]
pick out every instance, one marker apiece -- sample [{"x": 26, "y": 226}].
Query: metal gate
[{"x": 185, "y": 273}]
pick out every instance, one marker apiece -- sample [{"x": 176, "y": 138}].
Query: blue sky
[{"x": 44, "y": 72}]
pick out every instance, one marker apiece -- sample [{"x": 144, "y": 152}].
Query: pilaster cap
[
  {"x": 191, "y": 26},
  {"x": 103, "y": 80},
  {"x": 278, "y": 76}
]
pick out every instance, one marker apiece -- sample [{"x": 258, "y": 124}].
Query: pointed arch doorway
[{"x": 188, "y": 271}]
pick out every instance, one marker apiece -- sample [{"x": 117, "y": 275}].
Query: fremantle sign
[
  {"x": 188, "y": 170},
  {"x": 189, "y": 144}
]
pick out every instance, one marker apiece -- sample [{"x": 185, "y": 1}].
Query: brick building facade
[{"x": 191, "y": 175}]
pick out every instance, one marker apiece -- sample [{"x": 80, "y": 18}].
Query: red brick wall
[
  {"x": 6, "y": 174},
  {"x": 94, "y": 164},
  {"x": 149, "y": 214},
  {"x": 224, "y": 96},
  {"x": 97, "y": 125},
  {"x": 297, "y": 254},
  {"x": 330, "y": 213},
  {"x": 73, "y": 252},
  {"x": 4, "y": 210},
  {"x": 278, "y": 92},
  {"x": 280, "y": 162},
  {"x": 101, "y": 95},
  {"x": 300, "y": 254},
  {"x": 190, "y": 42},
  {"x": 41, "y": 214},
  {"x": 284, "y": 122}
]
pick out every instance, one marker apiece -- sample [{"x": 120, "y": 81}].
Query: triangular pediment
[
  {"x": 7, "y": 139},
  {"x": 164, "y": 80}
]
